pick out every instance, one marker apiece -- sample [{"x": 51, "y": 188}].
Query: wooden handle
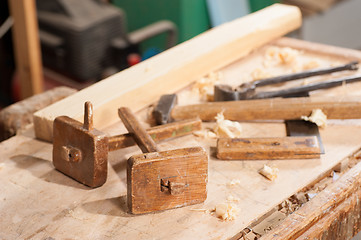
[
  {"x": 141, "y": 137},
  {"x": 268, "y": 148},
  {"x": 158, "y": 133},
  {"x": 269, "y": 109}
]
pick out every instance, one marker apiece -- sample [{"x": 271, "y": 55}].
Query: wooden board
[
  {"x": 174, "y": 69},
  {"x": 39, "y": 202}
]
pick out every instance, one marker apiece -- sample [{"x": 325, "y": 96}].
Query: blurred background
[{"x": 85, "y": 41}]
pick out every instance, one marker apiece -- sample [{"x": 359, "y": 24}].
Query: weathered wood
[
  {"x": 343, "y": 222},
  {"x": 38, "y": 202},
  {"x": 27, "y": 47},
  {"x": 344, "y": 107},
  {"x": 140, "y": 135},
  {"x": 158, "y": 133},
  {"x": 174, "y": 69},
  {"x": 185, "y": 171},
  {"x": 268, "y": 148},
  {"x": 18, "y": 115},
  {"x": 323, "y": 204},
  {"x": 79, "y": 152},
  {"x": 162, "y": 180}
]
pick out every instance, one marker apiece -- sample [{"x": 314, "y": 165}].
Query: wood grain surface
[{"x": 268, "y": 148}]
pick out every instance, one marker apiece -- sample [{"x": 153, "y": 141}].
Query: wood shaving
[
  {"x": 311, "y": 65},
  {"x": 232, "y": 198},
  {"x": 287, "y": 55},
  {"x": 234, "y": 182},
  {"x": 205, "y": 86},
  {"x": 259, "y": 73},
  {"x": 284, "y": 55},
  {"x": 268, "y": 172},
  {"x": 318, "y": 117},
  {"x": 201, "y": 210},
  {"x": 226, "y": 211},
  {"x": 205, "y": 134},
  {"x": 227, "y": 128}
]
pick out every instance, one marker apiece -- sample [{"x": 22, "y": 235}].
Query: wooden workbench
[{"x": 39, "y": 202}]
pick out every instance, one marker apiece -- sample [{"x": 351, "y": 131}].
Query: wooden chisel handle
[
  {"x": 272, "y": 109},
  {"x": 158, "y": 133}
]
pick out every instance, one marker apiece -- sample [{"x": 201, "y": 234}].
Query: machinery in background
[{"x": 84, "y": 39}]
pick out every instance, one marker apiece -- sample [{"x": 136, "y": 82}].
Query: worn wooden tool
[
  {"x": 163, "y": 180},
  {"x": 336, "y": 107},
  {"x": 268, "y": 148},
  {"x": 81, "y": 152}
]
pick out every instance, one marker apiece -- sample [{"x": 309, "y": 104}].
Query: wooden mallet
[
  {"x": 162, "y": 180},
  {"x": 81, "y": 151}
]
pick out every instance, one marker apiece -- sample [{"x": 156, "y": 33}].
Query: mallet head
[{"x": 79, "y": 150}]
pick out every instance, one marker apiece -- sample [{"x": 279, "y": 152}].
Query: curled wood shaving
[
  {"x": 318, "y": 117},
  {"x": 227, "y": 128},
  {"x": 268, "y": 172},
  {"x": 284, "y": 55},
  {"x": 205, "y": 134},
  {"x": 226, "y": 211},
  {"x": 205, "y": 86}
]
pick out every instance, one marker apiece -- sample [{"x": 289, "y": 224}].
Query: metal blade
[{"x": 304, "y": 128}]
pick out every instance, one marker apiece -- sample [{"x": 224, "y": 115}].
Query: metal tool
[
  {"x": 248, "y": 90},
  {"x": 81, "y": 151},
  {"x": 162, "y": 180}
]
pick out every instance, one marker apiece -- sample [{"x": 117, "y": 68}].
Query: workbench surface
[{"x": 38, "y": 202}]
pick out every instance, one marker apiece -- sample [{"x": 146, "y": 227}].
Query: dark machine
[{"x": 85, "y": 38}]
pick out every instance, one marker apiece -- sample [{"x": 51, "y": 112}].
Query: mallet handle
[{"x": 141, "y": 137}]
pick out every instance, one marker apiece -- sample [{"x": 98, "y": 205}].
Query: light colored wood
[
  {"x": 268, "y": 148},
  {"x": 27, "y": 47},
  {"x": 174, "y": 69},
  {"x": 337, "y": 107},
  {"x": 40, "y": 202}
]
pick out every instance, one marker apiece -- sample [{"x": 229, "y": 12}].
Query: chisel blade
[{"x": 297, "y": 128}]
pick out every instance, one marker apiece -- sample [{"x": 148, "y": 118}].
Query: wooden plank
[
  {"x": 174, "y": 69},
  {"x": 324, "y": 203},
  {"x": 27, "y": 47}
]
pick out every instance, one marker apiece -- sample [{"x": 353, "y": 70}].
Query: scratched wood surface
[{"x": 38, "y": 202}]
